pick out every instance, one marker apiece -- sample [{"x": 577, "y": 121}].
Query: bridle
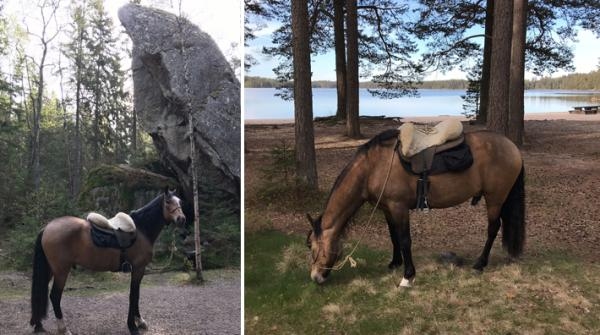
[
  {"x": 319, "y": 250},
  {"x": 174, "y": 209}
]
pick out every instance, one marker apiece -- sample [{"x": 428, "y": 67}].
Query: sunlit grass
[{"x": 551, "y": 293}]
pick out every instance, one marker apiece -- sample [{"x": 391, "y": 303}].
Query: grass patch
[{"x": 551, "y": 293}]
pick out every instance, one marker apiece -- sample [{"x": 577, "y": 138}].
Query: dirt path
[{"x": 213, "y": 308}]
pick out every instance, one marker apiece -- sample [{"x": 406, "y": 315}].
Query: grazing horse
[
  {"x": 66, "y": 241},
  {"x": 497, "y": 174}
]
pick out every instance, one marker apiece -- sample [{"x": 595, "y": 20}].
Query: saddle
[
  {"x": 118, "y": 232},
  {"x": 426, "y": 151}
]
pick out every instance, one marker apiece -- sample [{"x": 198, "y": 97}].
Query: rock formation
[
  {"x": 162, "y": 90},
  {"x": 109, "y": 189}
]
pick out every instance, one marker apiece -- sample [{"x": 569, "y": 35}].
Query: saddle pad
[
  {"x": 416, "y": 138},
  {"x": 121, "y": 221},
  {"x": 104, "y": 238},
  {"x": 455, "y": 159}
]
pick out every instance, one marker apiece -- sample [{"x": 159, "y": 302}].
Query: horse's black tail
[
  {"x": 513, "y": 217},
  {"x": 39, "y": 286}
]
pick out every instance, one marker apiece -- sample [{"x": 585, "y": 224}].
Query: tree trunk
[
  {"x": 134, "y": 132},
  {"x": 96, "y": 125},
  {"x": 484, "y": 87},
  {"x": 36, "y": 121},
  {"x": 352, "y": 120},
  {"x": 498, "y": 106},
  {"x": 517, "y": 73},
  {"x": 306, "y": 167},
  {"x": 340, "y": 57}
]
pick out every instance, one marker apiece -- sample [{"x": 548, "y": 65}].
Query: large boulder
[
  {"x": 109, "y": 189},
  {"x": 161, "y": 90}
]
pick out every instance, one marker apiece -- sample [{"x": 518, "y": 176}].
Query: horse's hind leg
[
  {"x": 492, "y": 232},
  {"x": 397, "y": 252},
  {"x": 55, "y": 296}
]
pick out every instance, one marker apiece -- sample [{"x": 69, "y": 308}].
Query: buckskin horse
[
  {"x": 497, "y": 174},
  {"x": 66, "y": 241}
]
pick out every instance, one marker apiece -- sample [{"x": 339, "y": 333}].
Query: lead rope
[{"x": 348, "y": 257}]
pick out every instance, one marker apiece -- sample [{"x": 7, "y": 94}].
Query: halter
[
  {"x": 349, "y": 258},
  {"x": 173, "y": 210}
]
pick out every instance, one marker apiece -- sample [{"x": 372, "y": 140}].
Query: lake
[{"x": 260, "y": 103}]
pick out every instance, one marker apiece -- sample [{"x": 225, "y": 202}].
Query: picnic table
[{"x": 585, "y": 110}]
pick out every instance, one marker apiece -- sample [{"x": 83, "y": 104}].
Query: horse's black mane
[
  {"x": 377, "y": 140},
  {"x": 362, "y": 150},
  {"x": 149, "y": 219}
]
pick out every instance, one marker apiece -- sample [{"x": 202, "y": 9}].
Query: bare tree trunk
[
  {"x": 498, "y": 106},
  {"x": 193, "y": 162},
  {"x": 78, "y": 168},
  {"x": 134, "y": 132},
  {"x": 36, "y": 119},
  {"x": 340, "y": 57},
  {"x": 45, "y": 40},
  {"x": 484, "y": 87},
  {"x": 96, "y": 124},
  {"x": 306, "y": 167},
  {"x": 352, "y": 120},
  {"x": 517, "y": 73},
  {"x": 67, "y": 143}
]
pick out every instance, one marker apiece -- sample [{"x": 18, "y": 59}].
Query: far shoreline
[{"x": 549, "y": 116}]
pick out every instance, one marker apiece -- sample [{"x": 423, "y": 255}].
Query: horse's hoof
[
  {"x": 141, "y": 323},
  {"x": 407, "y": 282},
  {"x": 39, "y": 329},
  {"x": 477, "y": 270}
]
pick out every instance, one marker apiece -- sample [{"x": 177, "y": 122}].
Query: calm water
[{"x": 262, "y": 104}]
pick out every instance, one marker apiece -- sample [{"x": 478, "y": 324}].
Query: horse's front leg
[
  {"x": 399, "y": 219},
  {"x": 397, "y": 252},
  {"x": 134, "y": 320}
]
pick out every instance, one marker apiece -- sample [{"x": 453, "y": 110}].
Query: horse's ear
[
  {"x": 312, "y": 222},
  {"x": 166, "y": 190}
]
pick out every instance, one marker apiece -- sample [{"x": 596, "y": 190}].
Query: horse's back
[
  {"x": 67, "y": 241},
  {"x": 487, "y": 145},
  {"x": 66, "y": 227}
]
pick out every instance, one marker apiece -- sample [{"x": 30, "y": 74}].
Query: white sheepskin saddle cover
[
  {"x": 121, "y": 221},
  {"x": 414, "y": 139}
]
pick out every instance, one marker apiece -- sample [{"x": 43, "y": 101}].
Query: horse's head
[
  {"x": 324, "y": 249},
  {"x": 172, "y": 211}
]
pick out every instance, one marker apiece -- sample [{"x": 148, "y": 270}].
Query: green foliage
[
  {"x": 278, "y": 174},
  {"x": 471, "y": 97},
  {"x": 261, "y": 82},
  {"x": 221, "y": 237},
  {"x": 35, "y": 211},
  {"x": 575, "y": 81}
]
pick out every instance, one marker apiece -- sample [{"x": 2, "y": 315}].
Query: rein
[{"x": 348, "y": 257}]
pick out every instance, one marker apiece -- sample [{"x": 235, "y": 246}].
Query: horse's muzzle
[{"x": 318, "y": 277}]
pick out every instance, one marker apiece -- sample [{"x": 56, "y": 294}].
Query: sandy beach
[{"x": 530, "y": 116}]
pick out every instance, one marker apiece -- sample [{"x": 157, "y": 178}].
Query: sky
[
  {"x": 586, "y": 58},
  {"x": 224, "y": 26}
]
